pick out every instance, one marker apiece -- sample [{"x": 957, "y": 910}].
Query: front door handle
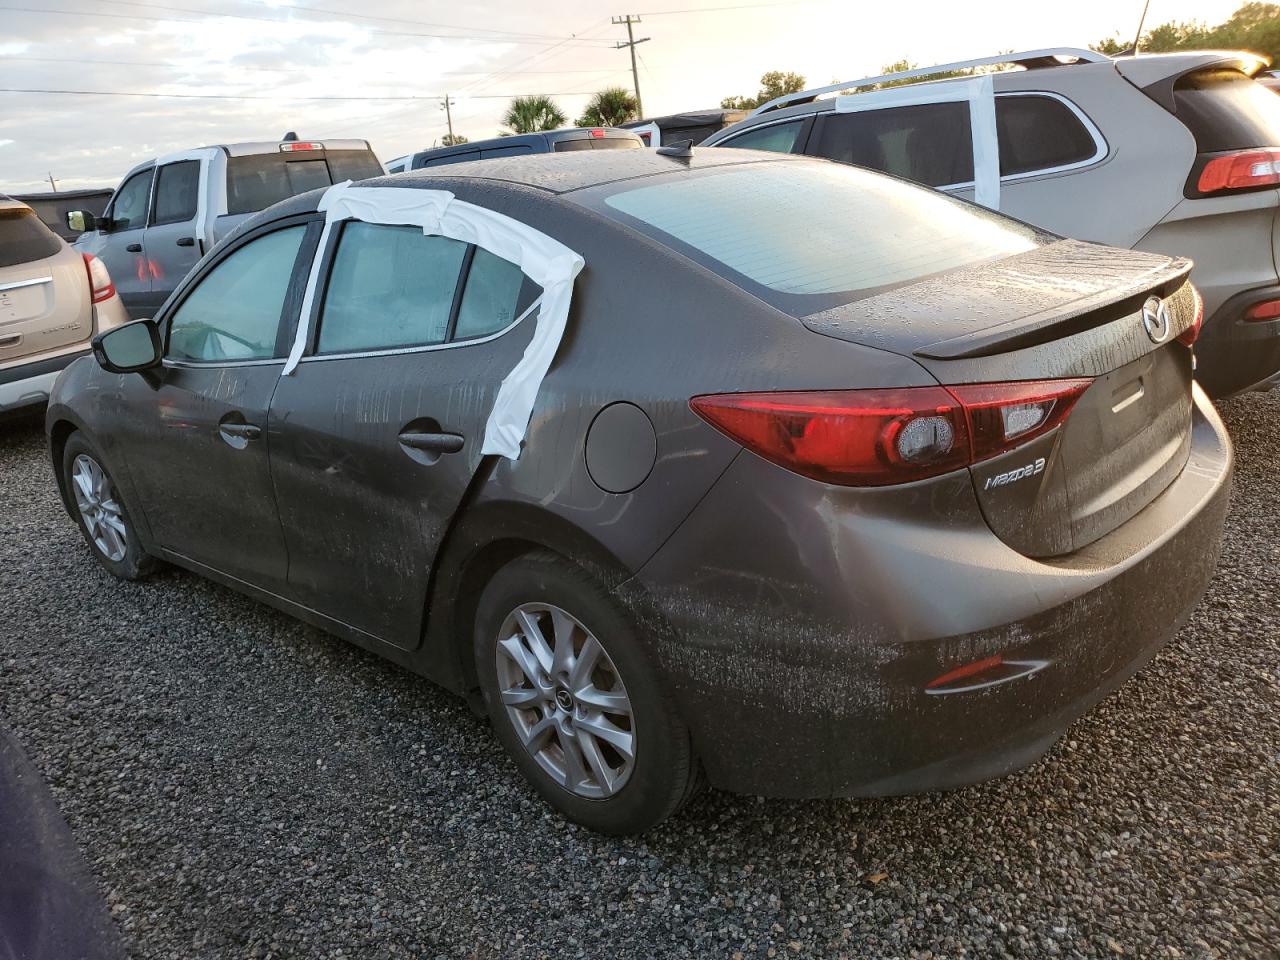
[
  {"x": 248, "y": 431},
  {"x": 432, "y": 442},
  {"x": 186, "y": 241},
  {"x": 133, "y": 248}
]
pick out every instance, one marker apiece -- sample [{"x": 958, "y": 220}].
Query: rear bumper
[
  {"x": 808, "y": 621},
  {"x": 28, "y": 384},
  {"x": 1234, "y": 354}
]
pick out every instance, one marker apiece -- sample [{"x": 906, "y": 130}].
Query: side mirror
[
  {"x": 131, "y": 348},
  {"x": 105, "y": 224},
  {"x": 81, "y": 221}
]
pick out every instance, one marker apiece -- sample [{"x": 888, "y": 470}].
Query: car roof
[{"x": 564, "y": 172}]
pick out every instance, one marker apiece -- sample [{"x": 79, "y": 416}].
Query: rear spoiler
[
  {"x": 1139, "y": 70},
  {"x": 1064, "y": 320}
]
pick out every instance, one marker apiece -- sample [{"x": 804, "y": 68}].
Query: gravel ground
[{"x": 244, "y": 786}]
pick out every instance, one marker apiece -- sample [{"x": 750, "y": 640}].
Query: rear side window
[
  {"x": 777, "y": 137},
  {"x": 930, "y": 143},
  {"x": 389, "y": 287},
  {"x": 1225, "y": 110},
  {"x": 177, "y": 187},
  {"x": 257, "y": 181},
  {"x": 1040, "y": 133},
  {"x": 129, "y": 209},
  {"x": 495, "y": 152},
  {"x": 23, "y": 238},
  {"x": 234, "y": 312},
  {"x": 496, "y": 293},
  {"x": 452, "y": 158},
  {"x": 352, "y": 165},
  {"x": 806, "y": 237}
]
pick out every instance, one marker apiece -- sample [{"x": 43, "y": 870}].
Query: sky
[{"x": 236, "y": 70}]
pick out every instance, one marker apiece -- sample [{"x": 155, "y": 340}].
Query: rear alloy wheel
[
  {"x": 566, "y": 701},
  {"x": 573, "y": 696},
  {"x": 102, "y": 515}
]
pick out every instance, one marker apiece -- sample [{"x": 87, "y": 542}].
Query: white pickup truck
[{"x": 167, "y": 212}]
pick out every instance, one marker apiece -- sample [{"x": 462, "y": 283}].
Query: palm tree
[
  {"x": 533, "y": 113},
  {"x": 611, "y": 107}
]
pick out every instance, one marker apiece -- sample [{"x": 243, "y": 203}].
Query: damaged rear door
[{"x": 376, "y": 436}]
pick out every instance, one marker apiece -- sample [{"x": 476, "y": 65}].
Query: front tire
[
  {"x": 576, "y": 701},
  {"x": 101, "y": 512}
]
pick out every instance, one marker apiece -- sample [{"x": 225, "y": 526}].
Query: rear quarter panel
[{"x": 650, "y": 328}]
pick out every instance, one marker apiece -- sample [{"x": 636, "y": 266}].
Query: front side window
[
  {"x": 177, "y": 187},
  {"x": 1039, "y": 133},
  {"x": 129, "y": 210},
  {"x": 235, "y": 311},
  {"x": 930, "y": 143},
  {"x": 389, "y": 287},
  {"x": 775, "y": 137}
]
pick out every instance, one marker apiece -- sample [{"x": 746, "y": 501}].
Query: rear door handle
[
  {"x": 186, "y": 241},
  {"x": 249, "y": 431},
  {"x": 133, "y": 248},
  {"x": 432, "y": 442}
]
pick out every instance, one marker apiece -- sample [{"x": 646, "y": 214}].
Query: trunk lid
[{"x": 1064, "y": 310}]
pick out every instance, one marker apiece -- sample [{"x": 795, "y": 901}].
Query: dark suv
[{"x": 548, "y": 141}]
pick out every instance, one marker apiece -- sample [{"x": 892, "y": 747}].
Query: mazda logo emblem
[{"x": 1155, "y": 319}]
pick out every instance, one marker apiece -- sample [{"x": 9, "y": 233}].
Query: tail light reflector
[
  {"x": 1266, "y": 310},
  {"x": 1243, "y": 170},
  {"x": 100, "y": 285},
  {"x": 1192, "y": 333},
  {"x": 874, "y": 438}
]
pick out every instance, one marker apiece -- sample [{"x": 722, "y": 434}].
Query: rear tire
[
  {"x": 101, "y": 513},
  {"x": 575, "y": 700}
]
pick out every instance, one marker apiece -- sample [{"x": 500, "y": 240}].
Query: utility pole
[
  {"x": 448, "y": 115},
  {"x": 631, "y": 42},
  {"x": 1137, "y": 40},
  {"x": 52, "y": 183}
]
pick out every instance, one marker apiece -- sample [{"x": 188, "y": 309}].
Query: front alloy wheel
[
  {"x": 99, "y": 508},
  {"x": 566, "y": 700}
]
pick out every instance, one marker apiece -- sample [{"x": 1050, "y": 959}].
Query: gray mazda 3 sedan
[{"x": 835, "y": 486}]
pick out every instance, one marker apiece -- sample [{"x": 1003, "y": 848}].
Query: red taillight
[
  {"x": 1192, "y": 333},
  {"x": 1266, "y": 310},
  {"x": 300, "y": 145},
  {"x": 1241, "y": 171},
  {"x": 597, "y": 133},
  {"x": 100, "y": 285},
  {"x": 874, "y": 438}
]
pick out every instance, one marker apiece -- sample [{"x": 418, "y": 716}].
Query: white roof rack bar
[{"x": 1090, "y": 56}]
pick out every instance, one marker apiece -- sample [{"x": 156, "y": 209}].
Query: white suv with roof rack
[{"x": 1171, "y": 153}]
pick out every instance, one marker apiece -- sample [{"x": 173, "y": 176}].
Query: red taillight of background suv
[{"x": 100, "y": 285}]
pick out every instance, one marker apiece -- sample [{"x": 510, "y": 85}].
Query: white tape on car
[{"x": 547, "y": 262}]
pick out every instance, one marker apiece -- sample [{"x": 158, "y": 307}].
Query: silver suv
[
  {"x": 1171, "y": 153},
  {"x": 167, "y": 212}
]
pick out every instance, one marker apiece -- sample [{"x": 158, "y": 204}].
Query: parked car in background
[
  {"x": 53, "y": 300},
  {"x": 168, "y": 212},
  {"x": 1269, "y": 79},
  {"x": 523, "y": 144},
  {"x": 52, "y": 208},
  {"x": 836, "y": 485},
  {"x": 694, "y": 126},
  {"x": 399, "y": 164},
  {"x": 1170, "y": 153}
]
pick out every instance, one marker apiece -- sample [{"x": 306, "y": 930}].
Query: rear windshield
[
  {"x": 256, "y": 181},
  {"x": 24, "y": 238},
  {"x": 1225, "y": 110},
  {"x": 597, "y": 143},
  {"x": 809, "y": 236}
]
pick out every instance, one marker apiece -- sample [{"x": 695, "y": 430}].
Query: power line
[
  {"x": 537, "y": 57},
  {"x": 282, "y": 99},
  {"x": 242, "y": 16},
  {"x": 249, "y": 66},
  {"x": 743, "y": 6}
]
